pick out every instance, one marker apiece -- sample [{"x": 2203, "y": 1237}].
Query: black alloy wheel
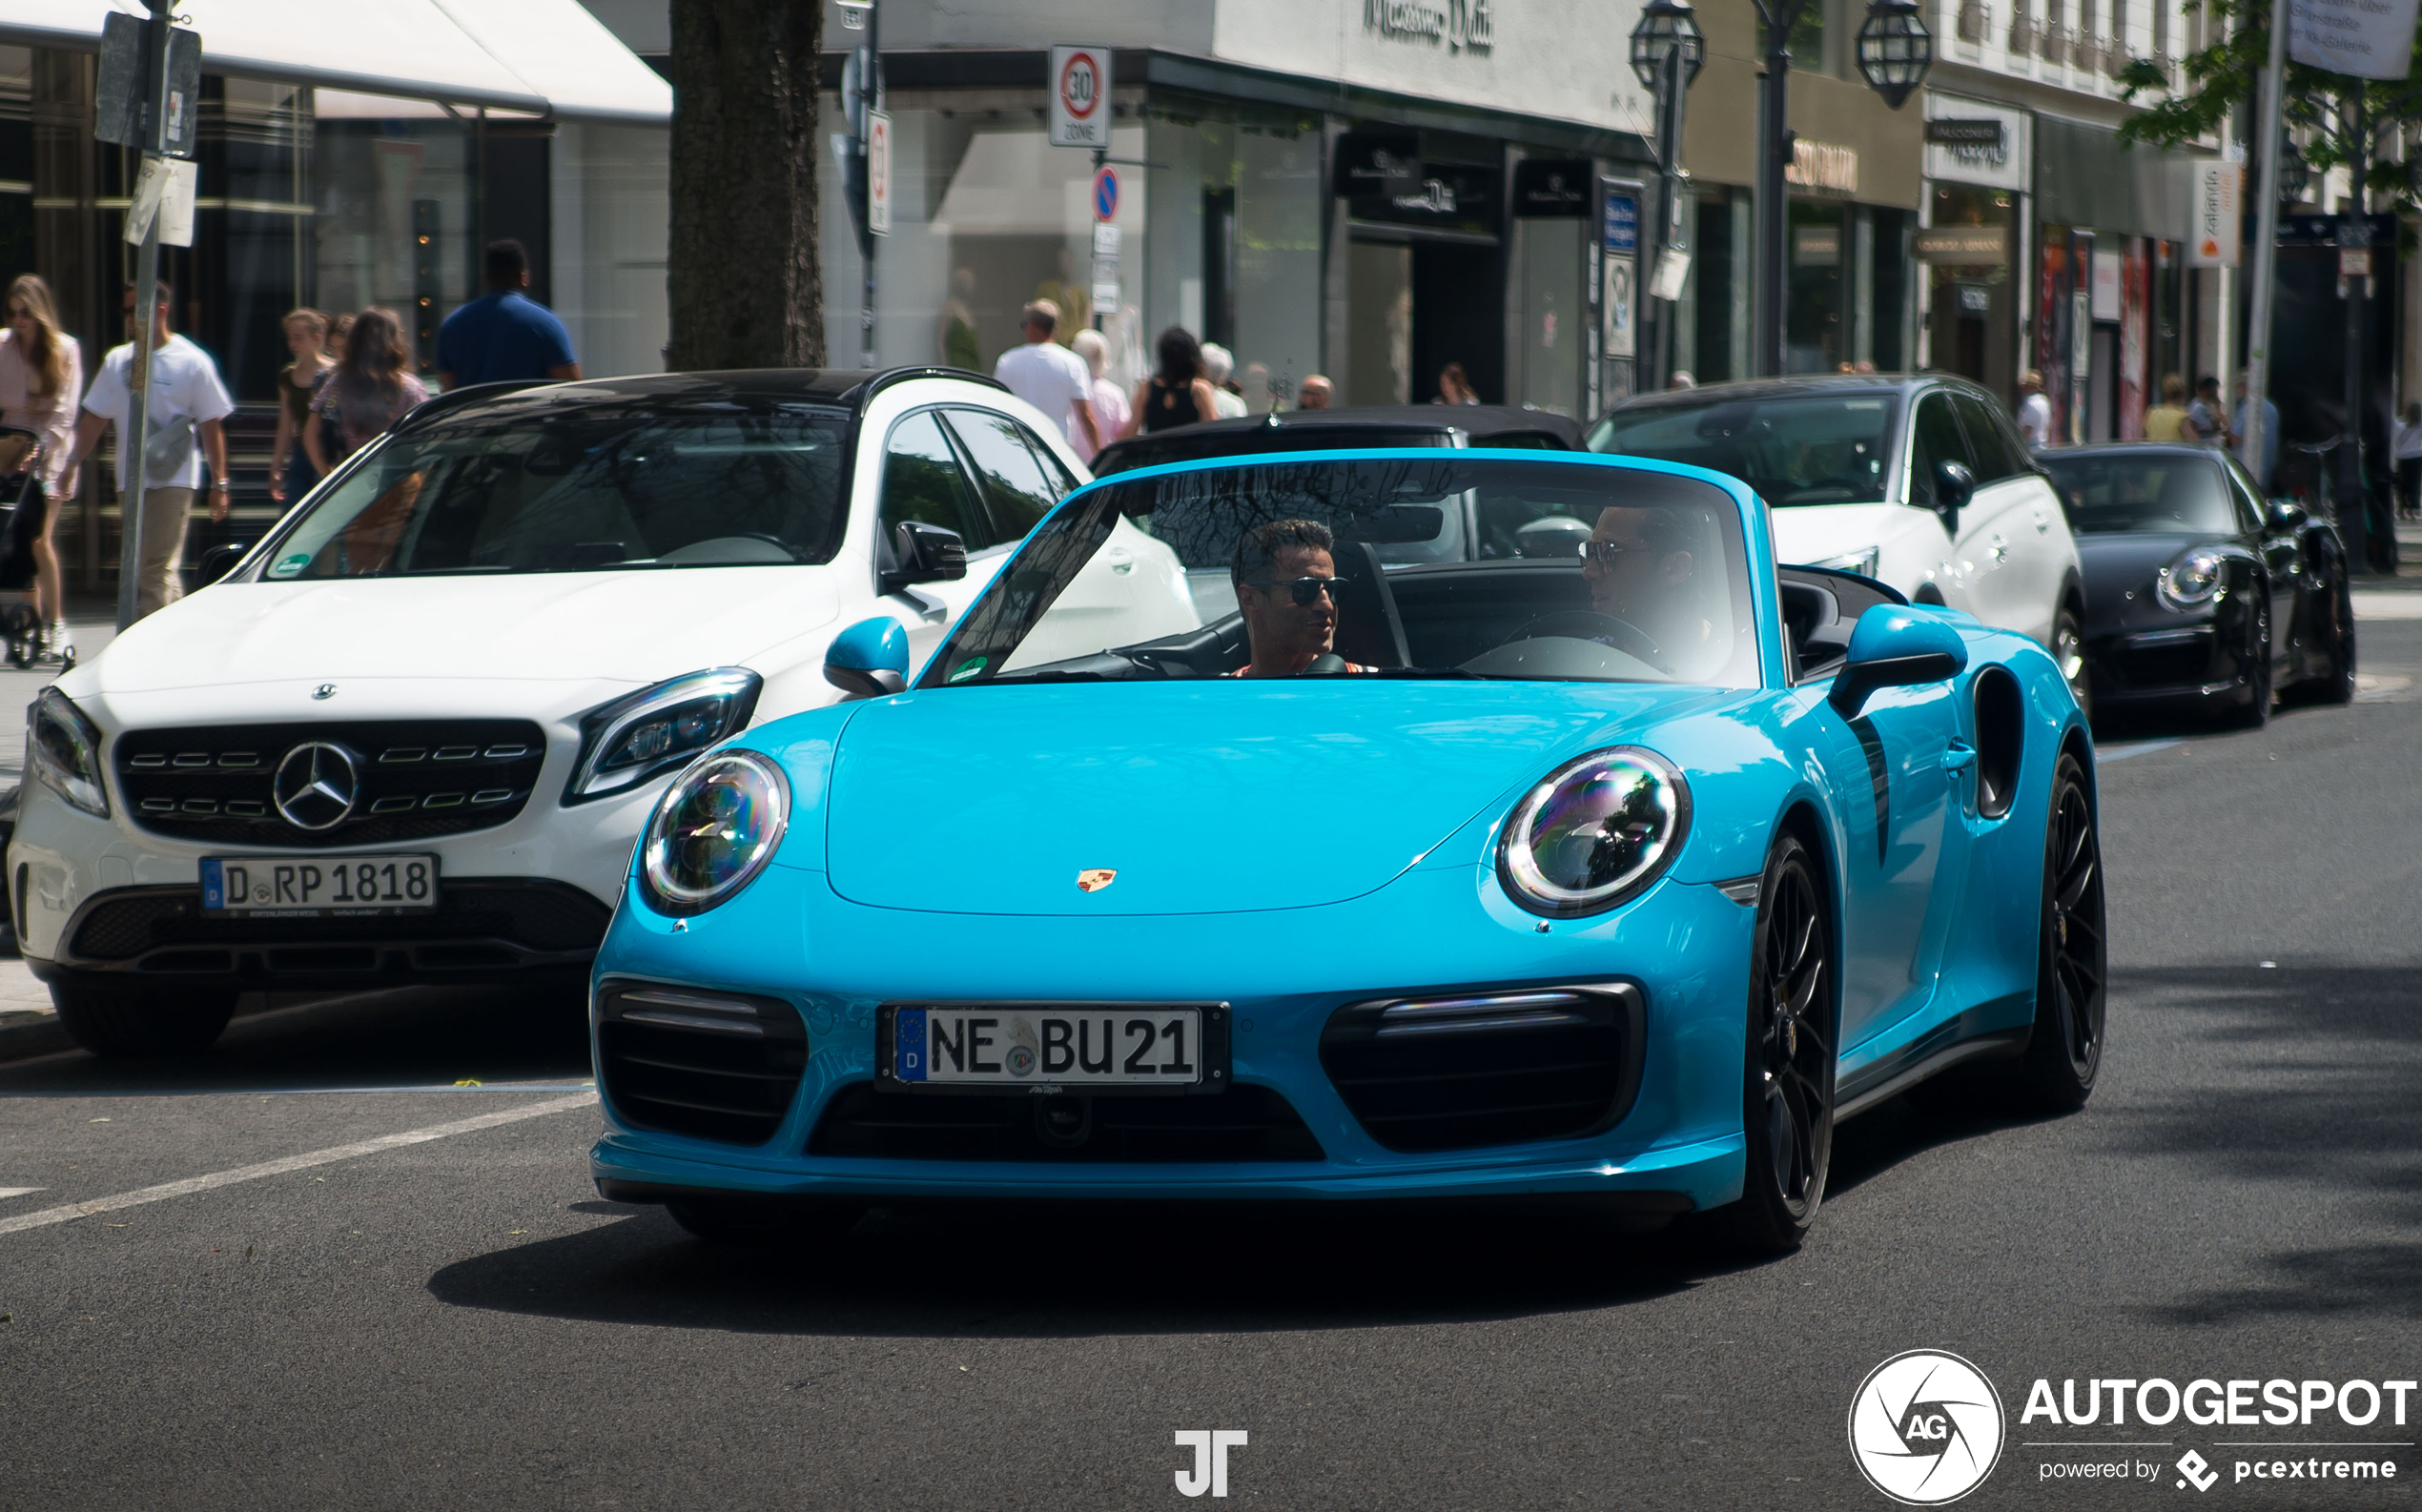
[
  {"x": 129, "y": 1022},
  {"x": 2334, "y": 629},
  {"x": 2259, "y": 672},
  {"x": 2068, "y": 650},
  {"x": 1788, "y": 1081},
  {"x": 2065, "y": 1053}
]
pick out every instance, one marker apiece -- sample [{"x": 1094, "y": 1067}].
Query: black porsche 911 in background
[{"x": 2200, "y": 597}]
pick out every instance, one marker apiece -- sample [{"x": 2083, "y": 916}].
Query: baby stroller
[{"x": 20, "y": 524}]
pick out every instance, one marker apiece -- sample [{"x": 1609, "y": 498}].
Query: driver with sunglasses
[
  {"x": 1287, "y": 583},
  {"x": 1638, "y": 564}
]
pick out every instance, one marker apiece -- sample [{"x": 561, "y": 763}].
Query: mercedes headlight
[
  {"x": 1595, "y": 833},
  {"x": 2194, "y": 579},
  {"x": 65, "y": 749},
  {"x": 713, "y": 830},
  {"x": 1863, "y": 562},
  {"x": 659, "y": 730}
]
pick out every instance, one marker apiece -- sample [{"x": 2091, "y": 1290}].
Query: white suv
[
  {"x": 412, "y": 735},
  {"x": 1920, "y": 482}
]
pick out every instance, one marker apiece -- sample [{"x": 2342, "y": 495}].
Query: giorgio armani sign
[{"x": 1460, "y": 26}]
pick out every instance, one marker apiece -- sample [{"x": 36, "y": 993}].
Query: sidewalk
[{"x": 2397, "y": 598}]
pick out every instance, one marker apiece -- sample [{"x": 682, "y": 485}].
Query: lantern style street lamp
[
  {"x": 1666, "y": 27},
  {"x": 1895, "y": 52}
]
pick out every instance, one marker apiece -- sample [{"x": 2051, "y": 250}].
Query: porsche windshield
[
  {"x": 580, "y": 491},
  {"x": 1623, "y": 575},
  {"x": 2161, "y": 491},
  {"x": 1793, "y": 448}
]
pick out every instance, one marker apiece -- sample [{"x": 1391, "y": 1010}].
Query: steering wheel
[{"x": 1582, "y": 625}]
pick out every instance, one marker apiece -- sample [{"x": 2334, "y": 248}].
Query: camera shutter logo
[{"x": 1925, "y": 1427}]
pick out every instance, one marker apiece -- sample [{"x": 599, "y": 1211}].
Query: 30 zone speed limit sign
[{"x": 1079, "y": 96}]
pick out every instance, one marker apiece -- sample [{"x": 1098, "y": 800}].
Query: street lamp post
[
  {"x": 1667, "y": 51},
  {"x": 1895, "y": 52}
]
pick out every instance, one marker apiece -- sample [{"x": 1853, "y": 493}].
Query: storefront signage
[
  {"x": 1079, "y": 96},
  {"x": 1557, "y": 187},
  {"x": 2212, "y": 240},
  {"x": 2370, "y": 39},
  {"x": 1822, "y": 165},
  {"x": 1975, "y": 298},
  {"x": 1622, "y": 224},
  {"x": 1460, "y": 26},
  {"x": 1973, "y": 142},
  {"x": 1384, "y": 163},
  {"x": 1963, "y": 246},
  {"x": 1457, "y": 199},
  {"x": 1816, "y": 246}
]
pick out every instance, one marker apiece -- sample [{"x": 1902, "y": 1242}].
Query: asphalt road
[{"x": 456, "y": 1320}]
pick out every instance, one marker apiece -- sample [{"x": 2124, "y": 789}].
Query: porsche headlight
[
  {"x": 2194, "y": 578},
  {"x": 1594, "y": 833},
  {"x": 713, "y": 830},
  {"x": 659, "y": 730},
  {"x": 65, "y": 751},
  {"x": 1862, "y": 563}
]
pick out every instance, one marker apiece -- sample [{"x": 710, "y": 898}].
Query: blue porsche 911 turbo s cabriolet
[{"x": 1619, "y": 874}]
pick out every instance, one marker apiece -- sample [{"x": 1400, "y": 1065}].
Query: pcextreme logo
[{"x": 1925, "y": 1427}]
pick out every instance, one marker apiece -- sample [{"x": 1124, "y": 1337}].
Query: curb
[{"x": 24, "y": 1035}]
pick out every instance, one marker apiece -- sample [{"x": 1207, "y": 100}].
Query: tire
[
  {"x": 119, "y": 1023},
  {"x": 1787, "y": 1084},
  {"x": 746, "y": 1224},
  {"x": 2259, "y": 680},
  {"x": 2065, "y": 1052},
  {"x": 2334, "y": 628},
  {"x": 2068, "y": 652}
]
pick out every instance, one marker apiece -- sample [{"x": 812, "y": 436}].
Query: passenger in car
[
  {"x": 1287, "y": 584},
  {"x": 1639, "y": 564}
]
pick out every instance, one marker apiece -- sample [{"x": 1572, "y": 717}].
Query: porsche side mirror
[
  {"x": 923, "y": 553},
  {"x": 1895, "y": 646},
  {"x": 1954, "y": 485},
  {"x": 869, "y": 658},
  {"x": 2286, "y": 514},
  {"x": 218, "y": 562}
]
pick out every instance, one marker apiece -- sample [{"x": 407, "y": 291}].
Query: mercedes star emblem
[
  {"x": 316, "y": 786},
  {"x": 324, "y": 690}
]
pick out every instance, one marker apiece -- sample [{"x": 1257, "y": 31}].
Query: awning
[{"x": 547, "y": 57}]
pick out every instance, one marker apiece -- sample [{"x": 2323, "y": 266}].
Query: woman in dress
[
  {"x": 41, "y": 375},
  {"x": 367, "y": 392},
  {"x": 290, "y": 473},
  {"x": 1177, "y": 394}
]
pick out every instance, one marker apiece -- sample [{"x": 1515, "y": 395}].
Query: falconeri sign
[{"x": 1461, "y": 25}]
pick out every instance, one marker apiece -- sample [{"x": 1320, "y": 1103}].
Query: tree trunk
[{"x": 742, "y": 267}]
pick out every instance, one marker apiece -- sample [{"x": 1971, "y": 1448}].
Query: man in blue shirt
[
  {"x": 2269, "y": 434},
  {"x": 504, "y": 335}
]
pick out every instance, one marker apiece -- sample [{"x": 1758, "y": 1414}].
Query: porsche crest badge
[{"x": 1093, "y": 879}]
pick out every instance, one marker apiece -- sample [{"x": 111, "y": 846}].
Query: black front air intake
[
  {"x": 1496, "y": 1066},
  {"x": 711, "y": 1065},
  {"x": 1246, "y": 1122}
]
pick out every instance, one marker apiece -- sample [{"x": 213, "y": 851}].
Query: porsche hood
[{"x": 1199, "y": 797}]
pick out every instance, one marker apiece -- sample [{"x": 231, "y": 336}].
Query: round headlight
[
  {"x": 713, "y": 830},
  {"x": 1594, "y": 833},
  {"x": 2194, "y": 578}
]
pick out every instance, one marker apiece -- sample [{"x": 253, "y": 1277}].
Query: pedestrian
[
  {"x": 2269, "y": 434},
  {"x": 504, "y": 335},
  {"x": 365, "y": 393},
  {"x": 1051, "y": 378},
  {"x": 41, "y": 373},
  {"x": 2409, "y": 454},
  {"x": 1315, "y": 393},
  {"x": 2206, "y": 423},
  {"x": 1454, "y": 386},
  {"x": 1218, "y": 363},
  {"x": 1110, "y": 402},
  {"x": 290, "y": 473},
  {"x": 2166, "y": 421},
  {"x": 188, "y": 402},
  {"x": 1177, "y": 393},
  {"x": 2035, "y": 412}
]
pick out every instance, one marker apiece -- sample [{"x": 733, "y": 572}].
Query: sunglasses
[
  {"x": 1304, "y": 590},
  {"x": 1606, "y": 553}
]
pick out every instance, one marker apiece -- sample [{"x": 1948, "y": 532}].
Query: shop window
[
  {"x": 1233, "y": 248},
  {"x": 1816, "y": 325},
  {"x": 922, "y": 481},
  {"x": 394, "y": 181}
]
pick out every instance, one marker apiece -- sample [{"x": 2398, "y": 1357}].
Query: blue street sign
[{"x": 1623, "y": 223}]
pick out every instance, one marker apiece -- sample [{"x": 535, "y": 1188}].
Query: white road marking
[
  {"x": 2386, "y": 606},
  {"x": 301, "y": 1162},
  {"x": 2105, "y": 755},
  {"x": 18, "y": 1192}
]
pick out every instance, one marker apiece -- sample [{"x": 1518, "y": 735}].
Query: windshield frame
[
  {"x": 1757, "y": 541},
  {"x": 253, "y": 564}
]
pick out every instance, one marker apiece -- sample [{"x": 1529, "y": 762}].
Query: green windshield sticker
[
  {"x": 290, "y": 564},
  {"x": 967, "y": 668}
]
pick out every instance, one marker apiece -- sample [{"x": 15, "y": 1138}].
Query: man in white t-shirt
[
  {"x": 1052, "y": 379},
  {"x": 2035, "y": 412},
  {"x": 188, "y": 401}
]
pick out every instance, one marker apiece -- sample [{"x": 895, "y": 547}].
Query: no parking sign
[{"x": 1079, "y": 95}]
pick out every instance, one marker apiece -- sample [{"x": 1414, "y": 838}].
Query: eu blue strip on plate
[
  {"x": 908, "y": 1056},
  {"x": 214, "y": 884}
]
